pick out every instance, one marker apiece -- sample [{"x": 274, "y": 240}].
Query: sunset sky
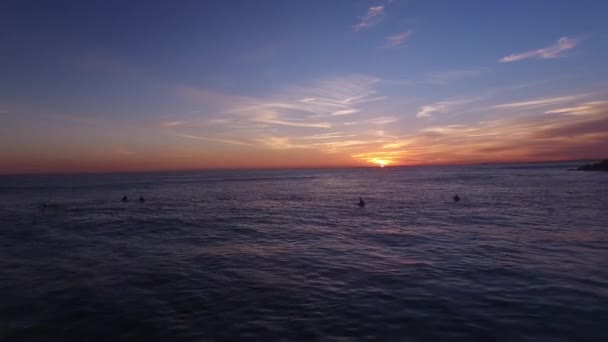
[{"x": 167, "y": 85}]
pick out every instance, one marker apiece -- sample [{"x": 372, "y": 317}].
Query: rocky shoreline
[{"x": 601, "y": 166}]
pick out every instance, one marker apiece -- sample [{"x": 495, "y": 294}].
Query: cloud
[
  {"x": 594, "y": 126},
  {"x": 444, "y": 129},
  {"x": 273, "y": 118},
  {"x": 440, "y": 107},
  {"x": 334, "y": 96},
  {"x": 328, "y": 143},
  {"x": 226, "y": 141},
  {"x": 305, "y": 118},
  {"x": 344, "y": 112},
  {"x": 278, "y": 143},
  {"x": 374, "y": 121},
  {"x": 338, "y": 95},
  {"x": 312, "y": 106},
  {"x": 297, "y": 117},
  {"x": 588, "y": 108},
  {"x": 397, "y": 39},
  {"x": 557, "y": 136},
  {"x": 540, "y": 102},
  {"x": 554, "y": 51},
  {"x": 373, "y": 16},
  {"x": 327, "y": 136},
  {"x": 308, "y": 106},
  {"x": 174, "y": 123}
]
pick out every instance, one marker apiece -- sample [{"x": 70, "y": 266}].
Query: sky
[{"x": 101, "y": 86}]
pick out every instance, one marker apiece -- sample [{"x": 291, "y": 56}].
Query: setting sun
[{"x": 379, "y": 162}]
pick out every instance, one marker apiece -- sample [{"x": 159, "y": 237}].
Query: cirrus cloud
[
  {"x": 397, "y": 39},
  {"x": 554, "y": 51},
  {"x": 440, "y": 107},
  {"x": 372, "y": 17}
]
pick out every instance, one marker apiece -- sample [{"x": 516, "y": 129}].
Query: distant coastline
[{"x": 600, "y": 166}]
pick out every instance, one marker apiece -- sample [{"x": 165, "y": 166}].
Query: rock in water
[{"x": 601, "y": 166}]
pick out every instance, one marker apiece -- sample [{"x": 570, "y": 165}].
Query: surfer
[
  {"x": 361, "y": 203},
  {"x": 142, "y": 199},
  {"x": 456, "y": 198},
  {"x": 124, "y": 198}
]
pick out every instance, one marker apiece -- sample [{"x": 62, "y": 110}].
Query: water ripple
[{"x": 287, "y": 255}]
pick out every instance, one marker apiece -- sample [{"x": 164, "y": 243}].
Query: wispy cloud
[
  {"x": 397, "y": 39},
  {"x": 444, "y": 129},
  {"x": 344, "y": 112},
  {"x": 554, "y": 51},
  {"x": 174, "y": 123},
  {"x": 226, "y": 141},
  {"x": 374, "y": 121},
  {"x": 373, "y": 16},
  {"x": 580, "y": 131},
  {"x": 328, "y": 143},
  {"x": 587, "y": 108},
  {"x": 286, "y": 120},
  {"x": 540, "y": 102},
  {"x": 441, "y": 107},
  {"x": 271, "y": 117},
  {"x": 333, "y": 116},
  {"x": 327, "y": 136},
  {"x": 303, "y": 106},
  {"x": 278, "y": 143}
]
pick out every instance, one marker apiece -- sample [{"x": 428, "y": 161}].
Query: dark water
[{"x": 287, "y": 255}]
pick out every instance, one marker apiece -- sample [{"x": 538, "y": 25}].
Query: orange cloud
[{"x": 545, "y": 136}]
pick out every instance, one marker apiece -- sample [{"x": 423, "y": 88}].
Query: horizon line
[{"x": 43, "y": 173}]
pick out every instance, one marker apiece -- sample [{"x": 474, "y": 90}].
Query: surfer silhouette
[
  {"x": 456, "y": 198},
  {"x": 142, "y": 199},
  {"x": 124, "y": 198},
  {"x": 361, "y": 203}
]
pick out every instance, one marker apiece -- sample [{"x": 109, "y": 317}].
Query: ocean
[{"x": 287, "y": 255}]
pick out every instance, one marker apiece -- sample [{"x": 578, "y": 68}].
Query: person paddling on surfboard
[{"x": 361, "y": 203}]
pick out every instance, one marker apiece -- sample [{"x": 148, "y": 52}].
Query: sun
[{"x": 381, "y": 162}]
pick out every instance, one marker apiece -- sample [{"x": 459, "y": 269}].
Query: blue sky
[{"x": 117, "y": 85}]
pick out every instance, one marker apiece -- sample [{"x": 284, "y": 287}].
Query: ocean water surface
[{"x": 287, "y": 255}]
